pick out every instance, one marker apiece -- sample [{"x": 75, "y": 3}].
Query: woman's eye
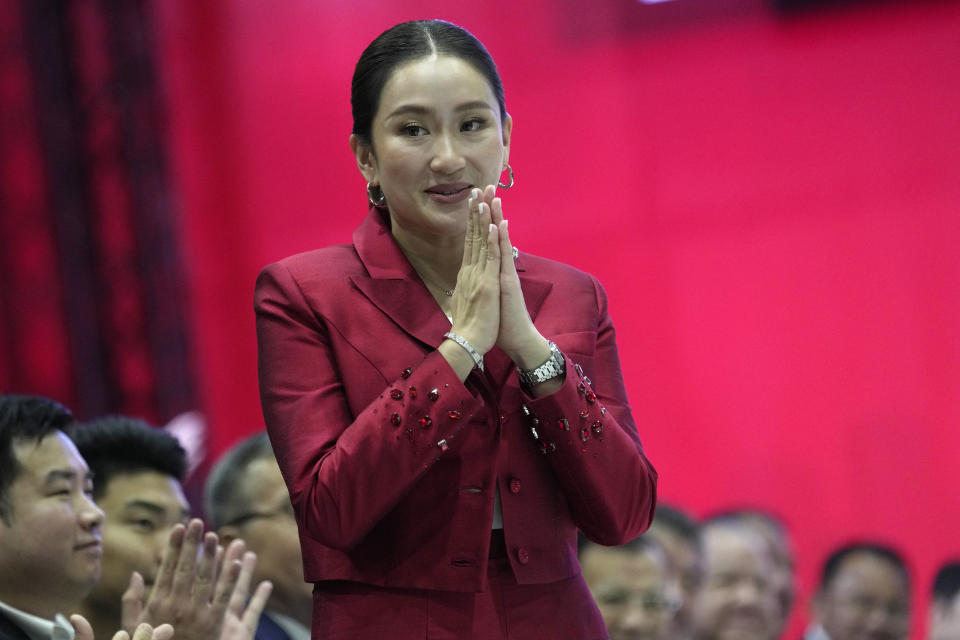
[
  {"x": 414, "y": 130},
  {"x": 473, "y": 124}
]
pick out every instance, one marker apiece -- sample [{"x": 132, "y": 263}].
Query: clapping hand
[
  {"x": 143, "y": 631},
  {"x": 241, "y": 618},
  {"x": 201, "y": 589}
]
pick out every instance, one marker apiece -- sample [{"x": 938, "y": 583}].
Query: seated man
[
  {"x": 138, "y": 471},
  {"x": 245, "y": 497},
  {"x": 736, "y": 601},
  {"x": 679, "y": 536},
  {"x": 774, "y": 533},
  {"x": 864, "y": 592},
  {"x": 943, "y": 622},
  {"x": 154, "y": 562},
  {"x": 629, "y": 583},
  {"x": 50, "y": 551}
]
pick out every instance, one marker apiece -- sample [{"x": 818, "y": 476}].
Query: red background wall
[{"x": 771, "y": 203}]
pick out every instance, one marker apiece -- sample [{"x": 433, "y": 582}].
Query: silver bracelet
[{"x": 463, "y": 342}]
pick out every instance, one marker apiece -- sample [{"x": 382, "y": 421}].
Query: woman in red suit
[{"x": 446, "y": 412}]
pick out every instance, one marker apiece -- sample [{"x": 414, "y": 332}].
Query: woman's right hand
[{"x": 476, "y": 301}]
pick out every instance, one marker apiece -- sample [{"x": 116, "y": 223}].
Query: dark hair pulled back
[{"x": 406, "y": 42}]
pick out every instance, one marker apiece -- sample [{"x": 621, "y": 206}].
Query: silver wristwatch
[{"x": 553, "y": 367}]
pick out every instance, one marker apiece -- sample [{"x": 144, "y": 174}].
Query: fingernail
[{"x": 492, "y": 226}]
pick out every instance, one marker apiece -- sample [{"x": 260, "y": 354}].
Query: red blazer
[{"x": 391, "y": 461}]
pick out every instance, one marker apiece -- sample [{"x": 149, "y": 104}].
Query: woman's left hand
[{"x": 518, "y": 337}]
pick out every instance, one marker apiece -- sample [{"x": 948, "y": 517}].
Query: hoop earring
[
  {"x": 509, "y": 184},
  {"x": 375, "y": 195}
]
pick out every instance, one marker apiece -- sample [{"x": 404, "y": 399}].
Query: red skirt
[{"x": 562, "y": 610}]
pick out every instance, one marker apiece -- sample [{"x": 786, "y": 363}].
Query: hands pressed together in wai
[{"x": 488, "y": 304}]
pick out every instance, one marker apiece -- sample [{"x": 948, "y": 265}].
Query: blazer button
[
  {"x": 514, "y": 486},
  {"x": 523, "y": 556}
]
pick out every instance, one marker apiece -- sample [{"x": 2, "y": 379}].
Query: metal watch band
[
  {"x": 463, "y": 342},
  {"x": 553, "y": 367}
]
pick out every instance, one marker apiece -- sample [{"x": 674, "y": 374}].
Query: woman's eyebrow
[{"x": 423, "y": 110}]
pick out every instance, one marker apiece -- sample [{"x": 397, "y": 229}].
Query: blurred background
[{"x": 767, "y": 190}]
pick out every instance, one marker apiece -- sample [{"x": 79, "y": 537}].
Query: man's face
[
  {"x": 685, "y": 575},
  {"x": 50, "y": 551},
  {"x": 140, "y": 508},
  {"x": 944, "y": 620},
  {"x": 735, "y": 601},
  {"x": 868, "y": 599},
  {"x": 629, "y": 587},
  {"x": 270, "y": 531}
]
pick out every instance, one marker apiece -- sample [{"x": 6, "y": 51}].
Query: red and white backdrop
[{"x": 771, "y": 201}]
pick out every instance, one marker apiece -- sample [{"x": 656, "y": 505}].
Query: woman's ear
[
  {"x": 507, "y": 130},
  {"x": 366, "y": 161}
]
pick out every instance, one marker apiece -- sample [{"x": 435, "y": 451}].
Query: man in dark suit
[
  {"x": 245, "y": 497},
  {"x": 139, "y": 471},
  {"x": 50, "y": 547}
]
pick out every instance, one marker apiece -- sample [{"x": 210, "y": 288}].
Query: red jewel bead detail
[
  {"x": 455, "y": 414},
  {"x": 443, "y": 445},
  {"x": 396, "y": 394},
  {"x": 584, "y": 434},
  {"x": 581, "y": 387},
  {"x": 597, "y": 427},
  {"x": 412, "y": 392},
  {"x": 396, "y": 419},
  {"x": 591, "y": 397},
  {"x": 584, "y": 413},
  {"x": 563, "y": 424},
  {"x": 425, "y": 422},
  {"x": 547, "y": 447},
  {"x": 406, "y": 372},
  {"x": 433, "y": 394}
]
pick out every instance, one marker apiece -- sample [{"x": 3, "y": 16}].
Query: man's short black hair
[
  {"x": 678, "y": 522},
  {"x": 946, "y": 584},
  {"x": 225, "y": 494},
  {"x": 24, "y": 418},
  {"x": 119, "y": 444},
  {"x": 880, "y": 551}
]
